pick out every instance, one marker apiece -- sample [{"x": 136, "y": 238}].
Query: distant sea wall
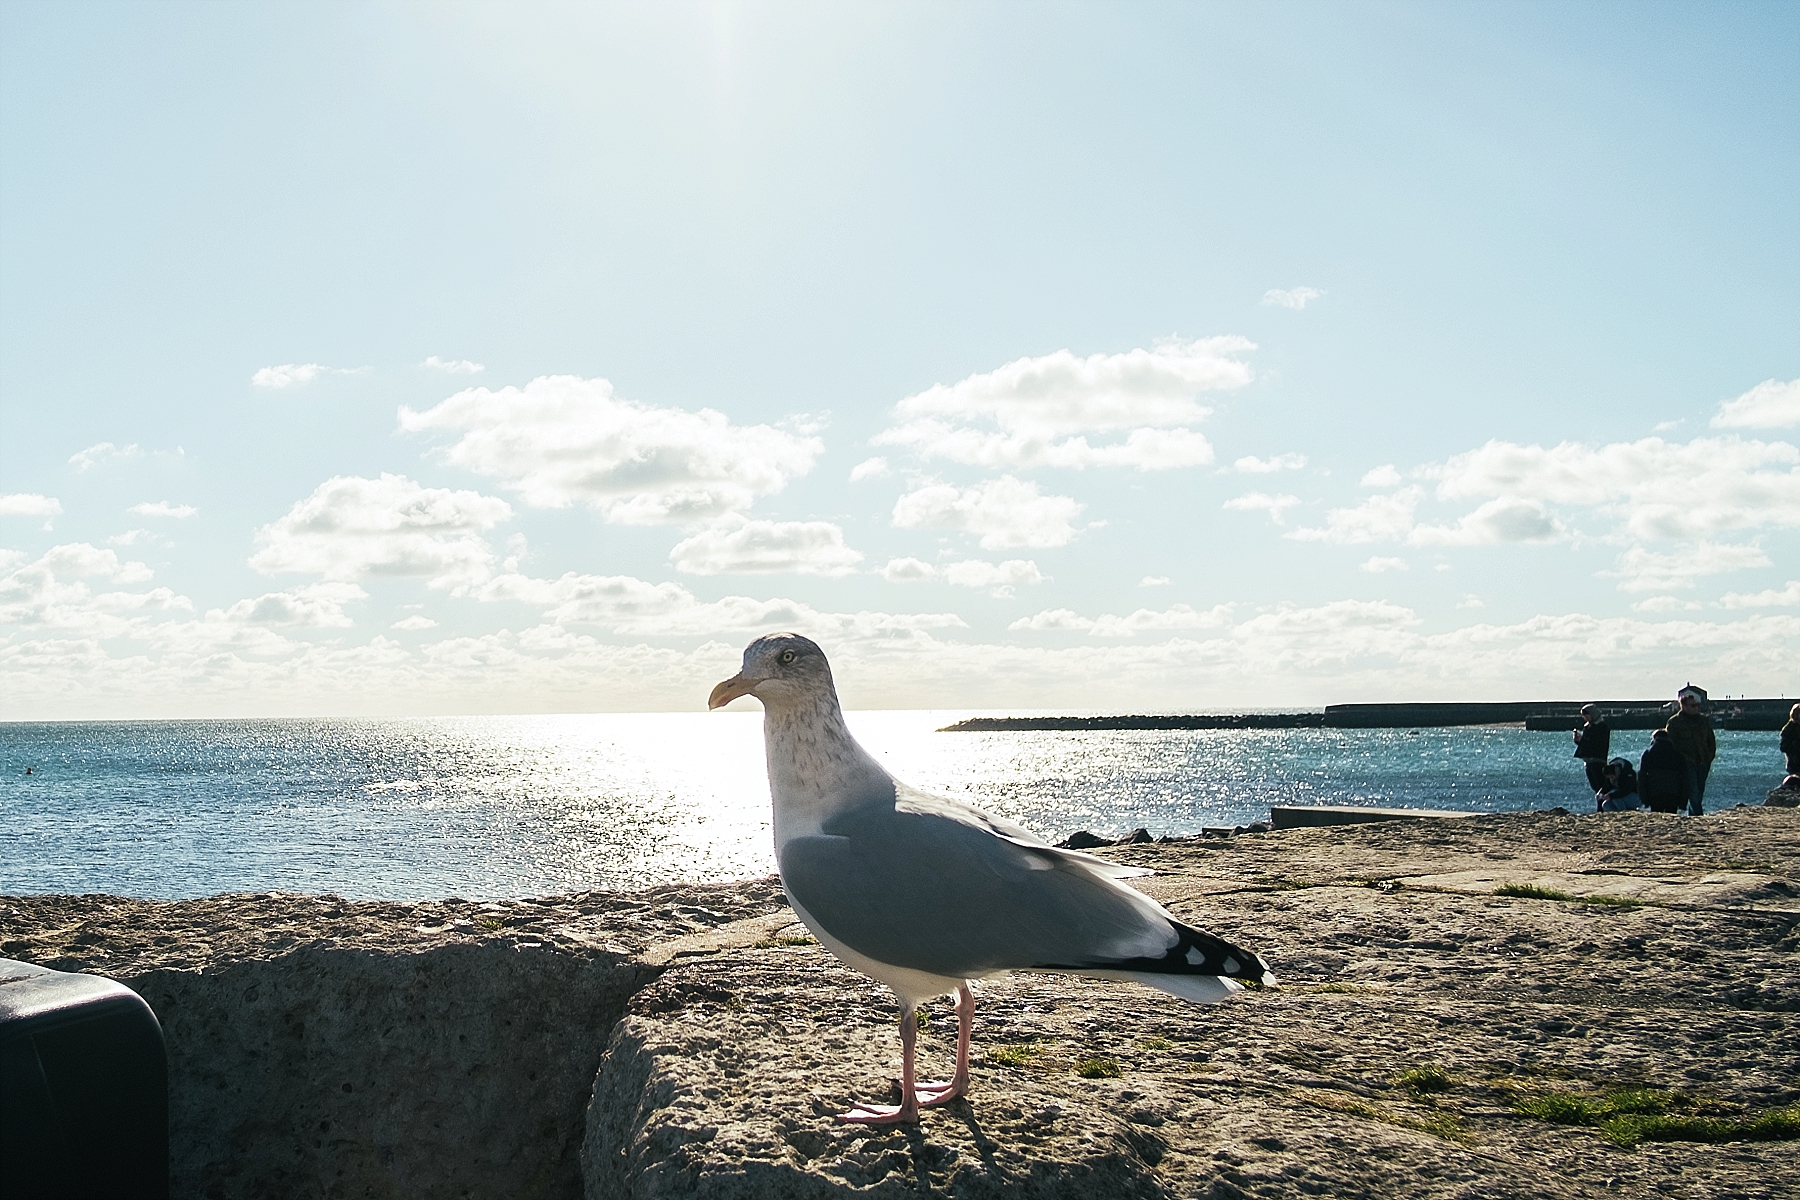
[{"x": 1759, "y": 714}]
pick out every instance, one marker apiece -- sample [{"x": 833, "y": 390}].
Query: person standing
[
  {"x": 1662, "y": 776},
  {"x": 1593, "y": 742},
  {"x": 1790, "y": 740},
  {"x": 1692, "y": 734}
]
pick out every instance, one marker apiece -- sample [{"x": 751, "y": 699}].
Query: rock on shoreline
[{"x": 691, "y": 1041}]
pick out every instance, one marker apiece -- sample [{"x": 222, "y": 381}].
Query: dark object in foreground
[
  {"x": 84, "y": 1094},
  {"x": 1311, "y": 816}
]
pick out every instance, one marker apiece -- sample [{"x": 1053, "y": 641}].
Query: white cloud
[
  {"x": 908, "y": 570},
  {"x": 451, "y": 366},
  {"x": 1502, "y": 520},
  {"x": 1377, "y": 519},
  {"x": 1647, "y": 571},
  {"x": 1654, "y": 488},
  {"x": 1649, "y": 489},
  {"x": 1252, "y": 465},
  {"x": 132, "y": 537},
  {"x": 313, "y": 606},
  {"x": 632, "y": 606},
  {"x": 1656, "y": 604},
  {"x": 84, "y": 560},
  {"x": 1771, "y": 404},
  {"x": 999, "y": 579},
  {"x": 51, "y": 591},
  {"x": 1282, "y": 657},
  {"x": 29, "y": 504},
  {"x": 737, "y": 546},
  {"x": 1787, "y": 597},
  {"x": 1470, "y": 600},
  {"x": 561, "y": 439},
  {"x": 415, "y": 622},
  {"x": 162, "y": 508},
  {"x": 102, "y": 452},
  {"x": 1292, "y": 297},
  {"x": 351, "y": 527},
  {"x": 287, "y": 375},
  {"x": 1154, "y": 581},
  {"x": 292, "y": 375},
  {"x": 1036, "y": 412},
  {"x": 1002, "y": 512},
  {"x": 869, "y": 468},
  {"x": 1144, "y": 620},
  {"x": 1262, "y": 502},
  {"x": 1377, "y": 564}
]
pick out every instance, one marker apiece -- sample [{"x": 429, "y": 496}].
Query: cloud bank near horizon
[{"x": 86, "y": 631}]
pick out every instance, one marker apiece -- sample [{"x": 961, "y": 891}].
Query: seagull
[{"x": 927, "y": 894}]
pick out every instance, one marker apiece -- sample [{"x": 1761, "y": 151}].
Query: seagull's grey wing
[
  {"x": 911, "y": 800},
  {"x": 932, "y": 893}
]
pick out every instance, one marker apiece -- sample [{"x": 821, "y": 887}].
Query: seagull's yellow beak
[{"x": 730, "y": 690}]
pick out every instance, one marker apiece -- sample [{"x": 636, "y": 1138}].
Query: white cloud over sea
[{"x": 562, "y": 440}]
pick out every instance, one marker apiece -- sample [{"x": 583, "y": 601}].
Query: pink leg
[
  {"x": 907, "y": 1111},
  {"x": 942, "y": 1093}
]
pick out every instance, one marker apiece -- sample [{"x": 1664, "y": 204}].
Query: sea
[{"x": 514, "y": 806}]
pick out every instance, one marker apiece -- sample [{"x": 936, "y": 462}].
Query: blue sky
[{"x": 432, "y": 358}]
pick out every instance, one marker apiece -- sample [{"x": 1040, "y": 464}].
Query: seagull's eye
[{"x": 787, "y": 656}]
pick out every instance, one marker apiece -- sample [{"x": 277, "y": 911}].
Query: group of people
[{"x": 1671, "y": 775}]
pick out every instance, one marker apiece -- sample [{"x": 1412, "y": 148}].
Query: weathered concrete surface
[
  {"x": 471, "y": 1037},
  {"x": 322, "y": 1048},
  {"x": 724, "y": 1074}
]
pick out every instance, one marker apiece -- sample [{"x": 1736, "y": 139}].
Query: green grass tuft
[
  {"x": 1439, "y": 1124},
  {"x": 1531, "y": 891},
  {"x": 1635, "y": 1115},
  {"x": 1155, "y": 1043},
  {"x": 1629, "y": 1129},
  {"x": 1017, "y": 1055},
  {"x": 1425, "y": 1079},
  {"x": 1099, "y": 1068},
  {"x": 1563, "y": 1108}
]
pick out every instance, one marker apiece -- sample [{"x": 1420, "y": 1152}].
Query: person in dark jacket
[
  {"x": 1790, "y": 740},
  {"x": 1692, "y": 734},
  {"x": 1620, "y": 792},
  {"x": 1593, "y": 742},
  {"x": 1662, "y": 775}
]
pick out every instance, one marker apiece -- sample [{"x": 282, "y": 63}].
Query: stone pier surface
[
  {"x": 1308, "y": 816},
  {"x": 693, "y": 1042}
]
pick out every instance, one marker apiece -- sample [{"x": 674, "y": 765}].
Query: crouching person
[{"x": 1620, "y": 790}]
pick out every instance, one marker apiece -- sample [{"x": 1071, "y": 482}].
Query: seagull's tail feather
[
  {"x": 1201, "y": 989},
  {"x": 1198, "y": 967}
]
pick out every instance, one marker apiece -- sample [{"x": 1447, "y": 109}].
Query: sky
[{"x": 395, "y": 359}]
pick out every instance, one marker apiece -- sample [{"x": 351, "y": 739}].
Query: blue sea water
[{"x": 493, "y": 807}]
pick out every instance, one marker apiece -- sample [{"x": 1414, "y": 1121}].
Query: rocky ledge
[{"x": 1515, "y": 1006}]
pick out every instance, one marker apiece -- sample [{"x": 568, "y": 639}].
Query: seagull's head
[{"x": 779, "y": 668}]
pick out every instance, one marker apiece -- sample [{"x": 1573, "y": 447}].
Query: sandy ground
[{"x": 693, "y": 1041}]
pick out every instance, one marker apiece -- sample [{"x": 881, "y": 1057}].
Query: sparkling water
[{"x": 488, "y": 807}]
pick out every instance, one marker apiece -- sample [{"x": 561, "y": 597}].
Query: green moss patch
[
  {"x": 1424, "y": 1080},
  {"x": 1019, "y": 1054},
  {"x": 1628, "y": 1118}
]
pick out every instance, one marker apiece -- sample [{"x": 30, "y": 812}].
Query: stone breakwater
[{"x": 692, "y": 1041}]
